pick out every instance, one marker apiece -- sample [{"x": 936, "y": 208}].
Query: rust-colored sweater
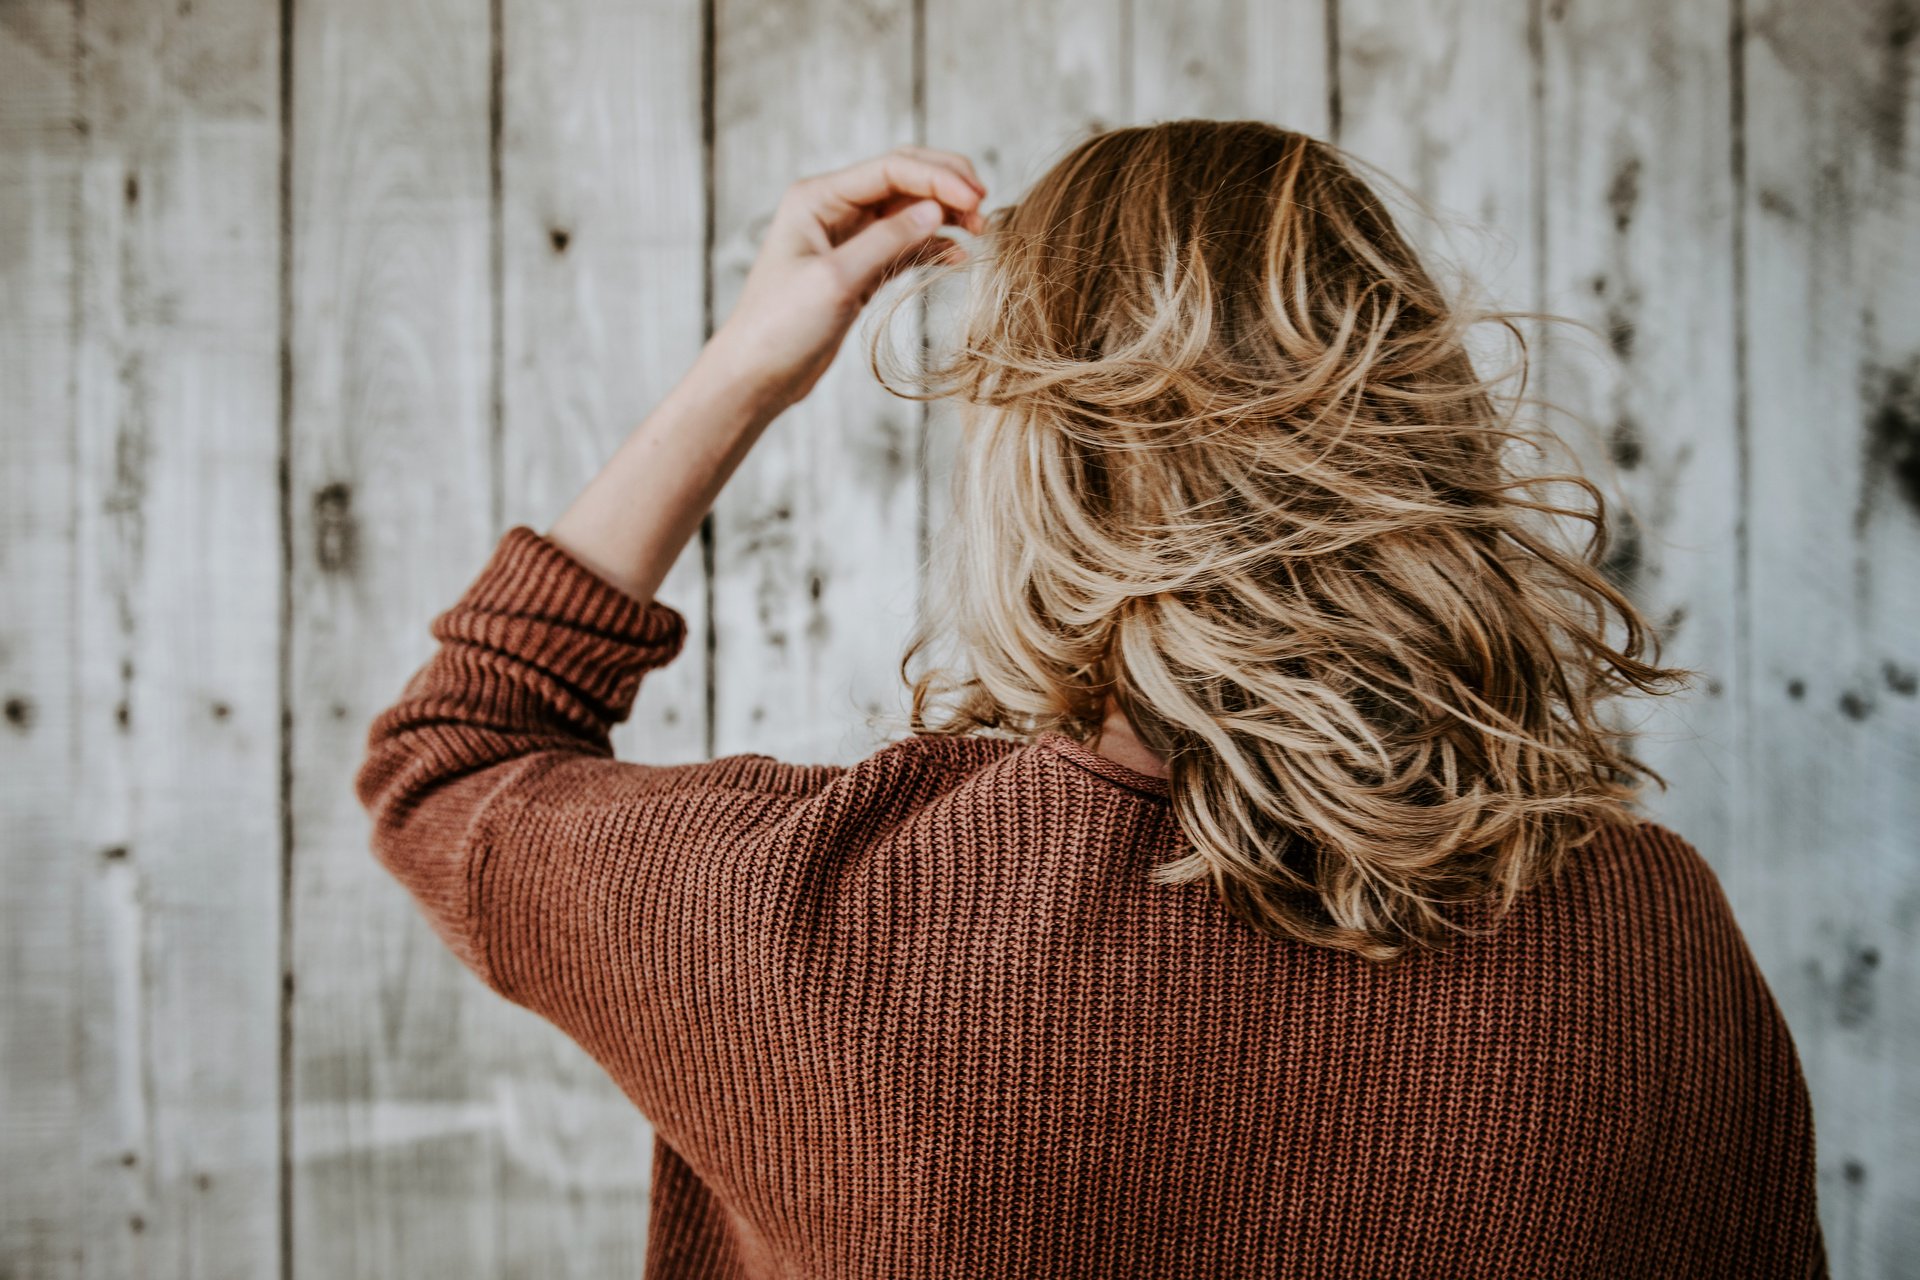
[{"x": 926, "y": 1016}]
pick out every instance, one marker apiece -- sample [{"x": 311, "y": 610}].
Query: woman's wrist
[{"x": 732, "y": 376}]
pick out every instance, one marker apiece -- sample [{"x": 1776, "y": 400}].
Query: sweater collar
[{"x": 1110, "y": 769}]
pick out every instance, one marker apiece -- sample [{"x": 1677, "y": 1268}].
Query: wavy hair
[{"x": 1226, "y": 464}]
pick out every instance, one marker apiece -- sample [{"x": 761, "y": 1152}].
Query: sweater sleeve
[{"x": 551, "y": 869}]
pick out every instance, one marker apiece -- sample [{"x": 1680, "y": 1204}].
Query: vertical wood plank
[
  {"x": 160, "y": 938},
  {"x": 433, "y": 1133},
  {"x": 1233, "y": 59},
  {"x": 603, "y": 278},
  {"x": 1014, "y": 86},
  {"x": 814, "y": 540},
  {"x": 602, "y": 224},
  {"x": 1442, "y": 97},
  {"x": 62, "y": 1210},
  {"x": 1832, "y": 321},
  {"x": 1639, "y": 243}
]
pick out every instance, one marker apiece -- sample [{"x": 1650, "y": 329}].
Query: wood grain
[
  {"x": 61, "y": 1212},
  {"x": 1071, "y": 62},
  {"x": 603, "y": 279},
  {"x": 437, "y": 1130},
  {"x": 1830, "y": 893},
  {"x": 1232, "y": 59},
  {"x": 814, "y": 550},
  {"x": 162, "y": 259},
  {"x": 497, "y": 239},
  {"x": 602, "y": 301},
  {"x": 1638, "y": 236}
]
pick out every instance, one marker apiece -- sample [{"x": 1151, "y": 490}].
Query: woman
[{"x": 1257, "y": 894}]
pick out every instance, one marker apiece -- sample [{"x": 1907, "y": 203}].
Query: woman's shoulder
[
  {"x": 1641, "y": 897},
  {"x": 1645, "y": 865}
]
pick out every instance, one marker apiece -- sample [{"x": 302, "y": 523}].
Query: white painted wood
[
  {"x": 603, "y": 280},
  {"x": 437, "y": 1130},
  {"x": 1440, "y": 96},
  {"x": 1070, "y": 62},
  {"x": 153, "y": 196},
  {"x": 1831, "y": 886},
  {"x": 1639, "y": 244},
  {"x": 62, "y": 1214},
  {"x": 815, "y": 553},
  {"x": 1768, "y": 235},
  {"x": 603, "y": 227},
  {"x": 1231, "y": 59}
]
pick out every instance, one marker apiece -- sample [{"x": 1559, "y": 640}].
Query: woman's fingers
[
  {"x": 835, "y": 197},
  {"x": 952, "y": 159},
  {"x": 883, "y": 247}
]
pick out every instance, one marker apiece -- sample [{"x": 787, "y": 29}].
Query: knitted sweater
[{"x": 926, "y": 1016}]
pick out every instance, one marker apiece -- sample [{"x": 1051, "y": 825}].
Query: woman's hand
[{"x": 833, "y": 241}]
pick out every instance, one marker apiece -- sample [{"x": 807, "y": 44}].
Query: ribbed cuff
[{"x": 534, "y": 602}]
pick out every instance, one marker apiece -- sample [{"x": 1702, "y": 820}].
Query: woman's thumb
[{"x": 867, "y": 256}]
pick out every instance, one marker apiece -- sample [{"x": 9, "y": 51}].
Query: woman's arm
[
  {"x": 833, "y": 241},
  {"x": 549, "y": 867}
]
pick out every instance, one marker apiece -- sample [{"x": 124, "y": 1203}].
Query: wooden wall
[{"x": 302, "y": 303}]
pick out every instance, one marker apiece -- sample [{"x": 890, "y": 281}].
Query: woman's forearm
[
  {"x": 833, "y": 240},
  {"x": 631, "y": 522}
]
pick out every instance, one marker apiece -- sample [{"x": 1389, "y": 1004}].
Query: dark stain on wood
[
  {"x": 1854, "y": 996},
  {"x": 1625, "y": 554},
  {"x": 1892, "y": 432},
  {"x": 1623, "y": 193},
  {"x": 20, "y": 712},
  {"x": 819, "y": 624},
  {"x": 1776, "y": 203},
  {"x": 1888, "y": 100},
  {"x": 335, "y": 530},
  {"x": 1620, "y": 331},
  {"x": 559, "y": 238},
  {"x": 883, "y": 458},
  {"x": 1904, "y": 681},
  {"x": 1623, "y": 443}
]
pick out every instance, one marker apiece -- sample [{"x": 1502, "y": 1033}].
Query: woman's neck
[{"x": 1118, "y": 742}]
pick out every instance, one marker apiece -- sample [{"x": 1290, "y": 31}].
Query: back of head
[{"x": 1227, "y": 462}]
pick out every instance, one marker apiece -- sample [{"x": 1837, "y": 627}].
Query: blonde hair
[{"x": 1226, "y": 460}]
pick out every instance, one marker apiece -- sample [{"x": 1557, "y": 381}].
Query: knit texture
[{"x": 926, "y": 1016}]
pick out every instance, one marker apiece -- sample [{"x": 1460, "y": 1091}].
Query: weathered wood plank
[
  {"x": 603, "y": 278},
  {"x": 166, "y": 941},
  {"x": 433, "y": 1132},
  {"x": 1831, "y": 884},
  {"x": 1232, "y": 59},
  {"x": 1070, "y": 63},
  {"x": 1639, "y": 243},
  {"x": 815, "y": 555},
  {"x": 1442, "y": 98},
  {"x": 62, "y": 1211}
]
